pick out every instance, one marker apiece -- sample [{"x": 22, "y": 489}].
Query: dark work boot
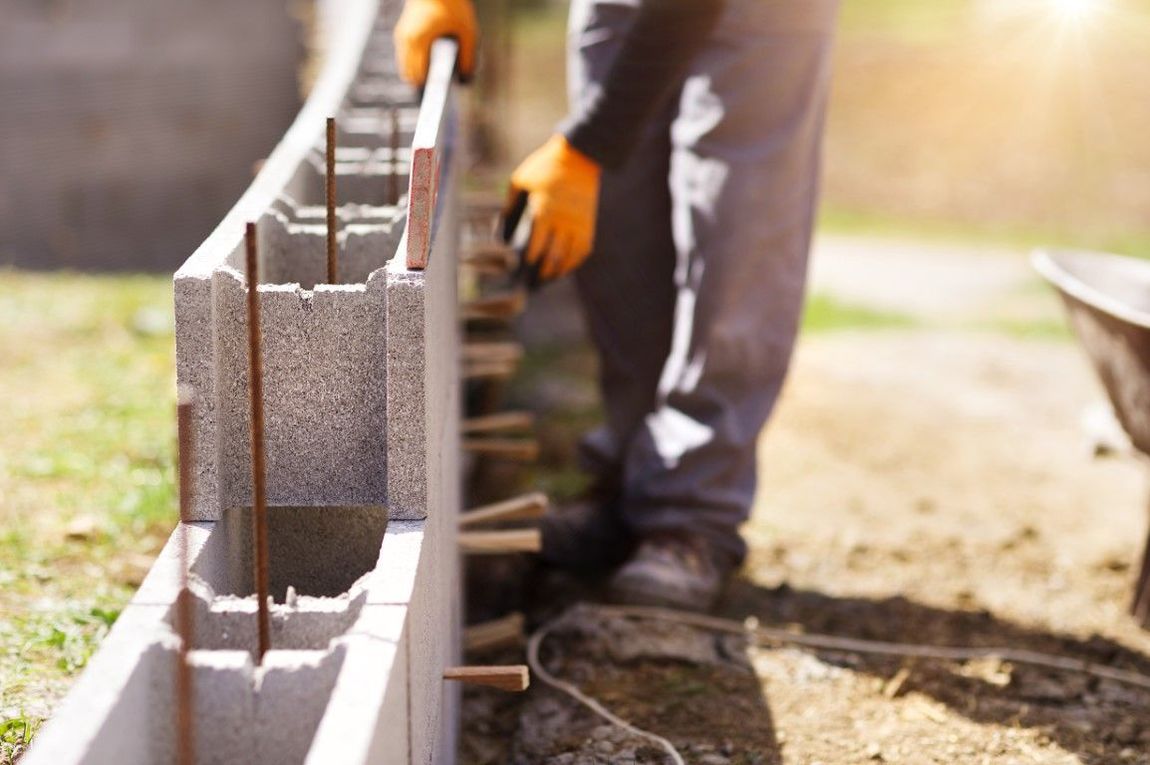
[
  {"x": 672, "y": 570},
  {"x": 585, "y": 537}
]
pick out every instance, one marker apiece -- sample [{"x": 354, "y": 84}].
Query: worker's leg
[
  {"x": 628, "y": 295},
  {"x": 743, "y": 178},
  {"x": 626, "y": 286}
]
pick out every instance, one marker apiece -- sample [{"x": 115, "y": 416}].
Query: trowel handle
[
  {"x": 512, "y": 215},
  {"x": 517, "y": 233}
]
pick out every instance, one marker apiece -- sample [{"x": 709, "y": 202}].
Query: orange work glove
[
  {"x": 562, "y": 188},
  {"x": 425, "y": 21}
]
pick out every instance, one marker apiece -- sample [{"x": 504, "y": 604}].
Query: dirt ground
[{"x": 930, "y": 485}]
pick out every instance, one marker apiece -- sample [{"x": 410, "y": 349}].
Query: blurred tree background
[{"x": 1022, "y": 121}]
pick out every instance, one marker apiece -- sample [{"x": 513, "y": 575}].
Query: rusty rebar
[
  {"x": 185, "y": 613},
  {"x": 393, "y": 176},
  {"x": 332, "y": 249},
  {"x": 256, "y": 392}
]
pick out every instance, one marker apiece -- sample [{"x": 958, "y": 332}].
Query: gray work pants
[{"x": 695, "y": 285}]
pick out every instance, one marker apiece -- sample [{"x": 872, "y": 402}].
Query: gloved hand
[
  {"x": 562, "y": 188},
  {"x": 421, "y": 23}
]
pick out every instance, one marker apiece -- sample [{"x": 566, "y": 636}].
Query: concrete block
[
  {"x": 292, "y": 691},
  {"x": 224, "y": 708},
  {"x": 293, "y": 242},
  {"x": 370, "y": 126},
  {"x": 319, "y": 552},
  {"x": 366, "y": 721},
  {"x": 362, "y": 407},
  {"x": 320, "y": 451},
  {"x": 324, "y": 392},
  {"x": 109, "y": 714},
  {"x": 362, "y": 175},
  {"x": 120, "y": 141},
  {"x": 393, "y": 580}
]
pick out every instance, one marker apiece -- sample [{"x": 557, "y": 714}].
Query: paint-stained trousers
[{"x": 694, "y": 289}]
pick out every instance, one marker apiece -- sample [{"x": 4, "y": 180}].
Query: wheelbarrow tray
[{"x": 1107, "y": 300}]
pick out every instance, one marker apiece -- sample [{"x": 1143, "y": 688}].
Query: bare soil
[{"x": 931, "y": 486}]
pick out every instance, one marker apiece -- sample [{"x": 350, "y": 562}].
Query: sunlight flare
[{"x": 1077, "y": 11}]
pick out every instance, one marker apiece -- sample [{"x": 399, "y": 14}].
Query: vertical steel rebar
[
  {"x": 332, "y": 250},
  {"x": 256, "y": 391},
  {"x": 185, "y": 689},
  {"x": 393, "y": 176}
]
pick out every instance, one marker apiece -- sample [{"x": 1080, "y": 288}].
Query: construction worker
[{"x": 681, "y": 191}]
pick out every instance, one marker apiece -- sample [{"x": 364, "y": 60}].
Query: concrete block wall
[
  {"x": 325, "y": 400},
  {"x": 362, "y": 408},
  {"x": 130, "y": 126}
]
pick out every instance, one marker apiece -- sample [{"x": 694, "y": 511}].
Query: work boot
[
  {"x": 672, "y": 571},
  {"x": 585, "y": 537}
]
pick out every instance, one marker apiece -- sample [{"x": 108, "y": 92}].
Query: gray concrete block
[
  {"x": 112, "y": 109},
  {"x": 320, "y": 552},
  {"x": 109, "y": 715},
  {"x": 366, "y": 721},
  {"x": 361, "y": 426},
  {"x": 292, "y": 691},
  {"x": 224, "y": 708},
  {"x": 293, "y": 242},
  {"x": 325, "y": 403}
]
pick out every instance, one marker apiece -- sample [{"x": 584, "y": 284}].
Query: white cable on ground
[
  {"x": 823, "y": 642},
  {"x": 855, "y": 645},
  {"x": 538, "y": 672}
]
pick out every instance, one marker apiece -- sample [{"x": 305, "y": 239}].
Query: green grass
[
  {"x": 86, "y": 472},
  {"x": 835, "y": 219},
  {"x": 1038, "y": 329},
  {"x": 910, "y": 20},
  {"x": 824, "y": 313}
]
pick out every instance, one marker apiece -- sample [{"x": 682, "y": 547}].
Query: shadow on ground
[
  {"x": 1100, "y": 720},
  {"x": 720, "y": 701}
]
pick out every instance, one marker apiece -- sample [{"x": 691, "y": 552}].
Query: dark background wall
[{"x": 129, "y": 127}]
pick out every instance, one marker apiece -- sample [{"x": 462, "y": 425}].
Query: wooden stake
[
  {"x": 497, "y": 370},
  {"x": 185, "y": 688},
  {"x": 500, "y": 542},
  {"x": 480, "y": 268},
  {"x": 332, "y": 251},
  {"x": 515, "y": 678},
  {"x": 502, "y": 306},
  {"x": 482, "y": 205},
  {"x": 481, "y": 352},
  {"x": 516, "y": 421},
  {"x": 497, "y": 633},
  {"x": 528, "y": 507},
  {"x": 393, "y": 176},
  {"x": 519, "y": 450},
  {"x": 256, "y": 394},
  {"x": 494, "y": 257}
]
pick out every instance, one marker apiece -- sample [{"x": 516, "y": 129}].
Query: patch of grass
[
  {"x": 824, "y": 313},
  {"x": 16, "y": 733},
  {"x": 1038, "y": 329},
  {"x": 908, "y": 20},
  {"x": 850, "y": 222},
  {"x": 86, "y": 471}
]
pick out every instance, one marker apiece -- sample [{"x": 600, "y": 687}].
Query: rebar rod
[
  {"x": 332, "y": 248},
  {"x": 185, "y": 688},
  {"x": 256, "y": 393},
  {"x": 393, "y": 176}
]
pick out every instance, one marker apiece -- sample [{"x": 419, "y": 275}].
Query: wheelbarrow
[{"x": 1107, "y": 300}]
